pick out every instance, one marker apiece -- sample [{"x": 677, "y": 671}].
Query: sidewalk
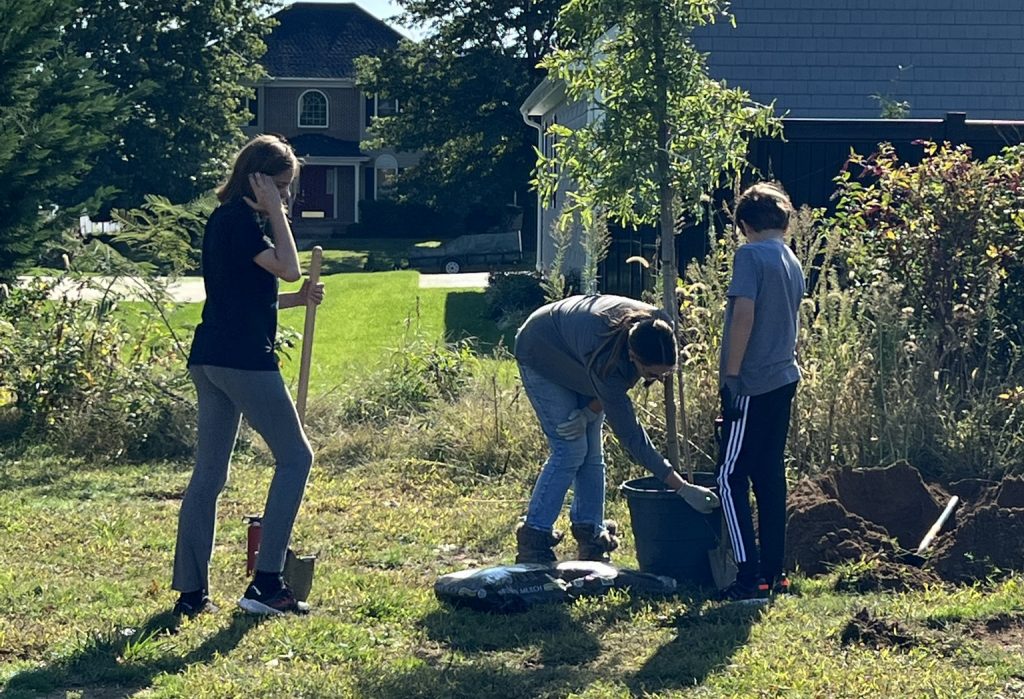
[
  {"x": 465, "y": 280},
  {"x": 184, "y": 290},
  {"x": 190, "y": 289}
]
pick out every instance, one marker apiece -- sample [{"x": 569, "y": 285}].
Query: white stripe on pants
[{"x": 732, "y": 453}]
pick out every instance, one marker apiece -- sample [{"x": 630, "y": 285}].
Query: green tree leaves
[
  {"x": 634, "y": 63},
  {"x": 182, "y": 68},
  {"x": 104, "y": 102},
  {"x": 54, "y": 118},
  {"x": 460, "y": 91}
]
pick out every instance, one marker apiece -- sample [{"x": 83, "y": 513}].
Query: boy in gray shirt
[{"x": 758, "y": 378}]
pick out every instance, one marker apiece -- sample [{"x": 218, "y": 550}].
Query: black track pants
[{"x": 751, "y": 455}]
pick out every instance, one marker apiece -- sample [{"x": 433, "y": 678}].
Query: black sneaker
[
  {"x": 781, "y": 585},
  {"x": 280, "y": 602},
  {"x": 189, "y": 610},
  {"x": 742, "y": 591}
]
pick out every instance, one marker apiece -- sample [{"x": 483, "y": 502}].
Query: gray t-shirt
[
  {"x": 768, "y": 272},
  {"x": 568, "y": 343}
]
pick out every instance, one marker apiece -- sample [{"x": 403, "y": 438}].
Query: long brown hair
[
  {"x": 267, "y": 153},
  {"x": 649, "y": 337}
]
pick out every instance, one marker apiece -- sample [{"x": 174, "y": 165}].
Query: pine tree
[{"x": 55, "y": 118}]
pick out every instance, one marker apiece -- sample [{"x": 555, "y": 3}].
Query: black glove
[{"x": 729, "y": 393}]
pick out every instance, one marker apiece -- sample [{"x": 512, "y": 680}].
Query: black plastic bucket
[{"x": 671, "y": 537}]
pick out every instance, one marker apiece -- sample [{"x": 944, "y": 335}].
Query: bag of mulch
[
  {"x": 512, "y": 588},
  {"x": 589, "y": 578}
]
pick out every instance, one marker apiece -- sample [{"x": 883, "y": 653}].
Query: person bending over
[{"x": 578, "y": 358}]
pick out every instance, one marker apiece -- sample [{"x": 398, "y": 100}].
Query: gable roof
[{"x": 322, "y": 40}]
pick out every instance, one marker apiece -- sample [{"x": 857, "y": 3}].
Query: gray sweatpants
[{"x": 224, "y": 396}]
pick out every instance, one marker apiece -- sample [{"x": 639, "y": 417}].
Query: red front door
[{"x": 315, "y": 198}]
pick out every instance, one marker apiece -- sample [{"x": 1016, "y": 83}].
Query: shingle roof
[
  {"x": 322, "y": 145},
  {"x": 837, "y": 58},
  {"x": 321, "y": 40}
]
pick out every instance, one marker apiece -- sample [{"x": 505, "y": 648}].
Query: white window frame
[
  {"x": 383, "y": 162},
  {"x": 259, "y": 92},
  {"x": 376, "y": 105},
  {"x": 327, "y": 111}
]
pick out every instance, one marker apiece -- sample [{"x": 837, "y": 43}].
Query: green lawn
[
  {"x": 367, "y": 315},
  {"x": 87, "y": 551},
  {"x": 84, "y": 591}
]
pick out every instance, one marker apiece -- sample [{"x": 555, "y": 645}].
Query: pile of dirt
[
  {"x": 849, "y": 514},
  {"x": 879, "y": 574},
  {"x": 1004, "y": 630},
  {"x": 875, "y": 632},
  {"x": 880, "y": 514},
  {"x": 989, "y": 537}
]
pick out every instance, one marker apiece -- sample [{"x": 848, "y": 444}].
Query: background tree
[
  {"x": 460, "y": 91},
  {"x": 183, "y": 67},
  {"x": 664, "y": 134},
  {"x": 55, "y": 117}
]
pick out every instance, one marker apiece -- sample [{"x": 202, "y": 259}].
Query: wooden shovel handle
[{"x": 307, "y": 335}]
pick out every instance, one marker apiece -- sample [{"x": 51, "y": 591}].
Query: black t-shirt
[{"x": 239, "y": 322}]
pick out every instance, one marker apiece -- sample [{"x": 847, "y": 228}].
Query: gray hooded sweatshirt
[{"x": 569, "y": 343}]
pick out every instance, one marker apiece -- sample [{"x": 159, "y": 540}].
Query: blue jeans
[{"x": 576, "y": 462}]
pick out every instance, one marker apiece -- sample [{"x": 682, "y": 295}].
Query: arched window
[
  {"x": 387, "y": 172},
  {"x": 313, "y": 109}
]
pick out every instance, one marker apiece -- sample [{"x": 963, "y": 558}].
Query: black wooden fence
[{"x": 806, "y": 163}]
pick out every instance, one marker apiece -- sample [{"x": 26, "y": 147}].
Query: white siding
[{"x": 573, "y": 116}]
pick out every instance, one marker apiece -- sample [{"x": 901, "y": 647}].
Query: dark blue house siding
[{"x": 806, "y": 162}]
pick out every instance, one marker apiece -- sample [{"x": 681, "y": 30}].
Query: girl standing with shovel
[
  {"x": 578, "y": 358},
  {"x": 233, "y": 366}
]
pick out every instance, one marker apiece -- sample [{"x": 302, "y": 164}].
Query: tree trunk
[{"x": 666, "y": 227}]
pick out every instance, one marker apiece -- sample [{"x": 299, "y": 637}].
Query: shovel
[
  {"x": 916, "y": 558},
  {"x": 298, "y": 574},
  {"x": 307, "y": 336}
]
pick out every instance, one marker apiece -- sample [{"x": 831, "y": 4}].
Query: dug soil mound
[
  {"x": 855, "y": 514},
  {"x": 989, "y": 539},
  {"x": 875, "y": 632},
  {"x": 849, "y": 514}
]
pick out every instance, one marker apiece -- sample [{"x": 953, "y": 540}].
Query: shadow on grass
[
  {"x": 126, "y": 664},
  {"x": 489, "y": 680},
  {"x": 705, "y": 642},
  {"x": 31, "y": 474},
  {"x": 75, "y": 479},
  {"x": 346, "y": 265},
  {"x": 550, "y": 628},
  {"x": 512, "y": 655},
  {"x": 466, "y": 315}
]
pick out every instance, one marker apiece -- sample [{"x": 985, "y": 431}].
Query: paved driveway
[
  {"x": 185, "y": 289},
  {"x": 474, "y": 280}
]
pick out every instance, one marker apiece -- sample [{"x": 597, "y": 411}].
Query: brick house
[{"x": 310, "y": 97}]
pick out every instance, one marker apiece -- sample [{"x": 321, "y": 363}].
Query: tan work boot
[
  {"x": 535, "y": 545},
  {"x": 596, "y": 543}
]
